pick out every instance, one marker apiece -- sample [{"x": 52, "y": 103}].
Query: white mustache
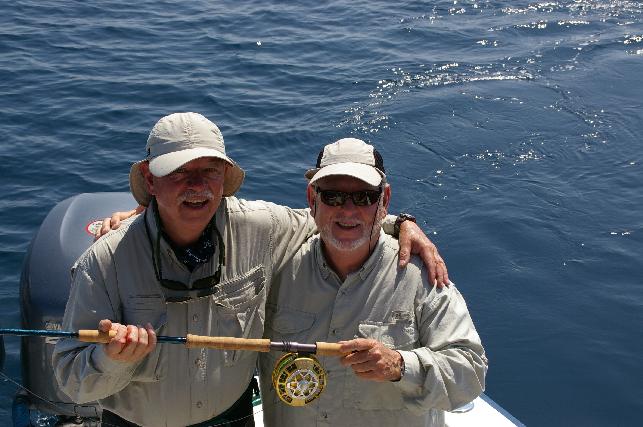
[{"x": 195, "y": 196}]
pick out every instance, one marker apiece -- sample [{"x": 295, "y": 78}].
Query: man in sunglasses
[
  {"x": 198, "y": 260},
  {"x": 411, "y": 349}
]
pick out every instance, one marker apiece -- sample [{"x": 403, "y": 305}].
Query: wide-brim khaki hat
[
  {"x": 176, "y": 140},
  {"x": 349, "y": 157}
]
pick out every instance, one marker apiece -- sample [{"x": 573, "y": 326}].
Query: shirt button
[
  {"x": 324, "y": 414},
  {"x": 199, "y": 404},
  {"x": 195, "y": 318}
]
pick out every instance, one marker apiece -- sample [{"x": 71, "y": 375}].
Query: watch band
[
  {"x": 398, "y": 222},
  {"x": 402, "y": 368}
]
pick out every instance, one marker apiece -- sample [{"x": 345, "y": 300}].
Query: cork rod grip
[
  {"x": 91, "y": 335},
  {"x": 228, "y": 343},
  {"x": 328, "y": 349}
]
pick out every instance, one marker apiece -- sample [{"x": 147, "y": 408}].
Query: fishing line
[
  {"x": 62, "y": 410},
  {"x": 20, "y": 386}
]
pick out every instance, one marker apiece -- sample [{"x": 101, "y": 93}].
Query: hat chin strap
[{"x": 370, "y": 237}]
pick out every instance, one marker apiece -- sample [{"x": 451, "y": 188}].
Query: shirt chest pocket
[
  {"x": 240, "y": 305},
  {"x": 287, "y": 324},
  {"x": 140, "y": 310},
  {"x": 399, "y": 334}
]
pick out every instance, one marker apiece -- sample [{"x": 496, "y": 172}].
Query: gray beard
[{"x": 328, "y": 238}]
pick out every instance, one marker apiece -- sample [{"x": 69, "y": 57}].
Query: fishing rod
[
  {"x": 192, "y": 341},
  {"x": 298, "y": 377}
]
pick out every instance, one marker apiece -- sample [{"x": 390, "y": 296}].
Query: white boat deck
[{"x": 484, "y": 413}]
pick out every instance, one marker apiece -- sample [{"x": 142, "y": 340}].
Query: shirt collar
[{"x": 166, "y": 246}]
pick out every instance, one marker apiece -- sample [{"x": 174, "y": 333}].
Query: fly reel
[{"x": 298, "y": 378}]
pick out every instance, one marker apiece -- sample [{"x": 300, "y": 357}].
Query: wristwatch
[
  {"x": 400, "y": 219},
  {"x": 402, "y": 368}
]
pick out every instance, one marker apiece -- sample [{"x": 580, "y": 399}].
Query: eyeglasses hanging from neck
[{"x": 177, "y": 291}]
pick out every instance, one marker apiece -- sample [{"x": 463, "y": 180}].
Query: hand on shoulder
[{"x": 113, "y": 222}]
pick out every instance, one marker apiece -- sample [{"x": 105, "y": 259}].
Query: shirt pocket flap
[
  {"x": 141, "y": 309},
  {"x": 397, "y": 335},
  {"x": 240, "y": 292},
  {"x": 285, "y": 320}
]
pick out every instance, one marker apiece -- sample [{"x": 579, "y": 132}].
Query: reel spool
[{"x": 298, "y": 379}]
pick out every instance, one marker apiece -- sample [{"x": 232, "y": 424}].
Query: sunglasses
[
  {"x": 359, "y": 198},
  {"x": 178, "y": 291}
]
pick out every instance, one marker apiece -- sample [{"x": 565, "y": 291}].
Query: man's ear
[
  {"x": 311, "y": 196},
  {"x": 144, "y": 167},
  {"x": 386, "y": 199},
  {"x": 387, "y": 196}
]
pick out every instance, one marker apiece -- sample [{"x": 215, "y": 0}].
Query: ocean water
[{"x": 512, "y": 129}]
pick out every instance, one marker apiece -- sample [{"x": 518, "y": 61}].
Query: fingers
[
  {"x": 105, "y": 325},
  {"x": 371, "y": 359},
  {"x": 429, "y": 261},
  {"x": 408, "y": 238},
  {"x": 441, "y": 275},
  {"x": 151, "y": 336},
  {"x": 113, "y": 222},
  {"x": 104, "y": 229},
  {"x": 128, "y": 351},
  {"x": 412, "y": 240},
  {"x": 357, "y": 344},
  {"x": 360, "y": 350},
  {"x": 358, "y": 359},
  {"x": 115, "y": 346},
  {"x": 141, "y": 341},
  {"x": 404, "y": 241},
  {"x": 131, "y": 343},
  {"x": 437, "y": 269}
]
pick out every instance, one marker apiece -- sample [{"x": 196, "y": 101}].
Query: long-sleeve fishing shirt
[
  {"x": 431, "y": 328},
  {"x": 115, "y": 279}
]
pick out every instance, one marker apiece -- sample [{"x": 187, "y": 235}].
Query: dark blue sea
[{"x": 512, "y": 129}]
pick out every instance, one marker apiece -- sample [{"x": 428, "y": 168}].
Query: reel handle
[
  {"x": 93, "y": 335},
  {"x": 228, "y": 343}
]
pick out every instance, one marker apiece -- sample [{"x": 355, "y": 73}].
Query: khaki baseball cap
[{"x": 350, "y": 157}]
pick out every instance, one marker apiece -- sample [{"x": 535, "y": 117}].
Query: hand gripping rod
[{"x": 192, "y": 341}]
